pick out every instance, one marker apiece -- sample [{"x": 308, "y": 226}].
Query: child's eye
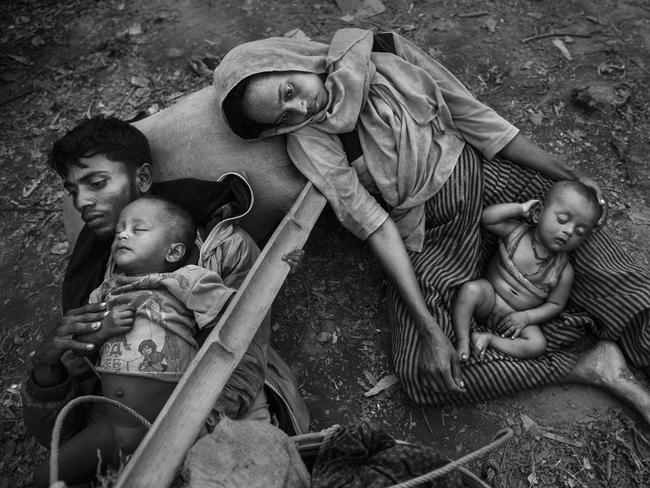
[
  {"x": 289, "y": 90},
  {"x": 562, "y": 220}
]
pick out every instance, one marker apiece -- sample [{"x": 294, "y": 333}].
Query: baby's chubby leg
[
  {"x": 529, "y": 344},
  {"x": 474, "y": 298},
  {"x": 78, "y": 458}
]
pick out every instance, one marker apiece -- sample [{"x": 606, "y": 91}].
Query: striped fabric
[{"x": 610, "y": 299}]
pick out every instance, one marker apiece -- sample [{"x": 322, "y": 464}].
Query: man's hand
[
  {"x": 48, "y": 368},
  {"x": 591, "y": 183},
  {"x": 118, "y": 320},
  {"x": 439, "y": 364},
  {"x": 75, "y": 322},
  {"x": 512, "y": 325}
]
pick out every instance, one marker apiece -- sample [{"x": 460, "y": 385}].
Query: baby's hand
[
  {"x": 293, "y": 259},
  {"x": 531, "y": 210},
  {"x": 118, "y": 320},
  {"x": 512, "y": 325}
]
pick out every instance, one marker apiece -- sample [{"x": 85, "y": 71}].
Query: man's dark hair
[{"x": 113, "y": 138}]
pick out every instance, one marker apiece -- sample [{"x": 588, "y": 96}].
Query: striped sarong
[{"x": 610, "y": 297}]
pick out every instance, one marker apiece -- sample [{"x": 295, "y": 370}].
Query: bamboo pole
[{"x": 163, "y": 449}]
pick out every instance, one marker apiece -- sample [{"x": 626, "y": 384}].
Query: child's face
[
  {"x": 566, "y": 221},
  {"x": 142, "y": 240},
  {"x": 285, "y": 98}
]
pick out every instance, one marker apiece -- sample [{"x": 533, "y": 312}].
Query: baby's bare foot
[{"x": 480, "y": 343}]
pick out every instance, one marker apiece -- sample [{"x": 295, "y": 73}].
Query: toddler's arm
[
  {"x": 513, "y": 324},
  {"x": 501, "y": 219}
]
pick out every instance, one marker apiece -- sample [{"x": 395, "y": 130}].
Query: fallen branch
[{"x": 553, "y": 34}]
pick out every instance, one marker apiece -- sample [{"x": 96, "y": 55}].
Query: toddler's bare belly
[{"x": 146, "y": 396}]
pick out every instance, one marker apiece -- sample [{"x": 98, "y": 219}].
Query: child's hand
[
  {"x": 119, "y": 320},
  {"x": 531, "y": 210},
  {"x": 293, "y": 259},
  {"x": 512, "y": 325}
]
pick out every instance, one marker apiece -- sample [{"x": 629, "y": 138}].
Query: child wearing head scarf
[{"x": 407, "y": 158}]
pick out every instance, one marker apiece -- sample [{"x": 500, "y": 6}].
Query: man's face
[{"x": 100, "y": 189}]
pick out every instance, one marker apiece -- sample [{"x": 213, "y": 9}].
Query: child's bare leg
[
  {"x": 78, "y": 457},
  {"x": 604, "y": 366},
  {"x": 128, "y": 437},
  {"x": 530, "y": 343},
  {"x": 473, "y": 298}
]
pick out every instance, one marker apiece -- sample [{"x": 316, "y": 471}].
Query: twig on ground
[
  {"x": 473, "y": 14},
  {"x": 563, "y": 440},
  {"x": 553, "y": 34},
  {"x": 426, "y": 420},
  {"x": 643, "y": 438},
  {"x": 17, "y": 95},
  {"x": 126, "y": 99}
]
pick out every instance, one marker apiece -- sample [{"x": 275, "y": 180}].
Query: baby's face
[
  {"x": 141, "y": 239},
  {"x": 566, "y": 221},
  {"x": 285, "y": 98}
]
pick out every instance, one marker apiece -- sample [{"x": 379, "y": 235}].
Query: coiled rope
[
  {"x": 500, "y": 437},
  {"x": 58, "y": 426}
]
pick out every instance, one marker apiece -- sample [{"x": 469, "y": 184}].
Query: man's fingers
[
  {"x": 84, "y": 309},
  {"x": 516, "y": 333},
  {"x": 77, "y": 328},
  {"x": 73, "y": 344}
]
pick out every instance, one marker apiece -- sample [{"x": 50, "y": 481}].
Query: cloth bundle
[{"x": 243, "y": 453}]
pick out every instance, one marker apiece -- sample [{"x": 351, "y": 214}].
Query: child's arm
[
  {"x": 501, "y": 219},
  {"x": 513, "y": 324}
]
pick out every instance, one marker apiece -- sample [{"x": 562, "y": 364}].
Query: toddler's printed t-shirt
[{"x": 161, "y": 343}]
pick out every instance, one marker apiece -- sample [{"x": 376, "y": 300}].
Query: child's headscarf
[{"x": 350, "y": 81}]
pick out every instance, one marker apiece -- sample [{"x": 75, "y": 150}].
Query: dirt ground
[{"x": 582, "y": 92}]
